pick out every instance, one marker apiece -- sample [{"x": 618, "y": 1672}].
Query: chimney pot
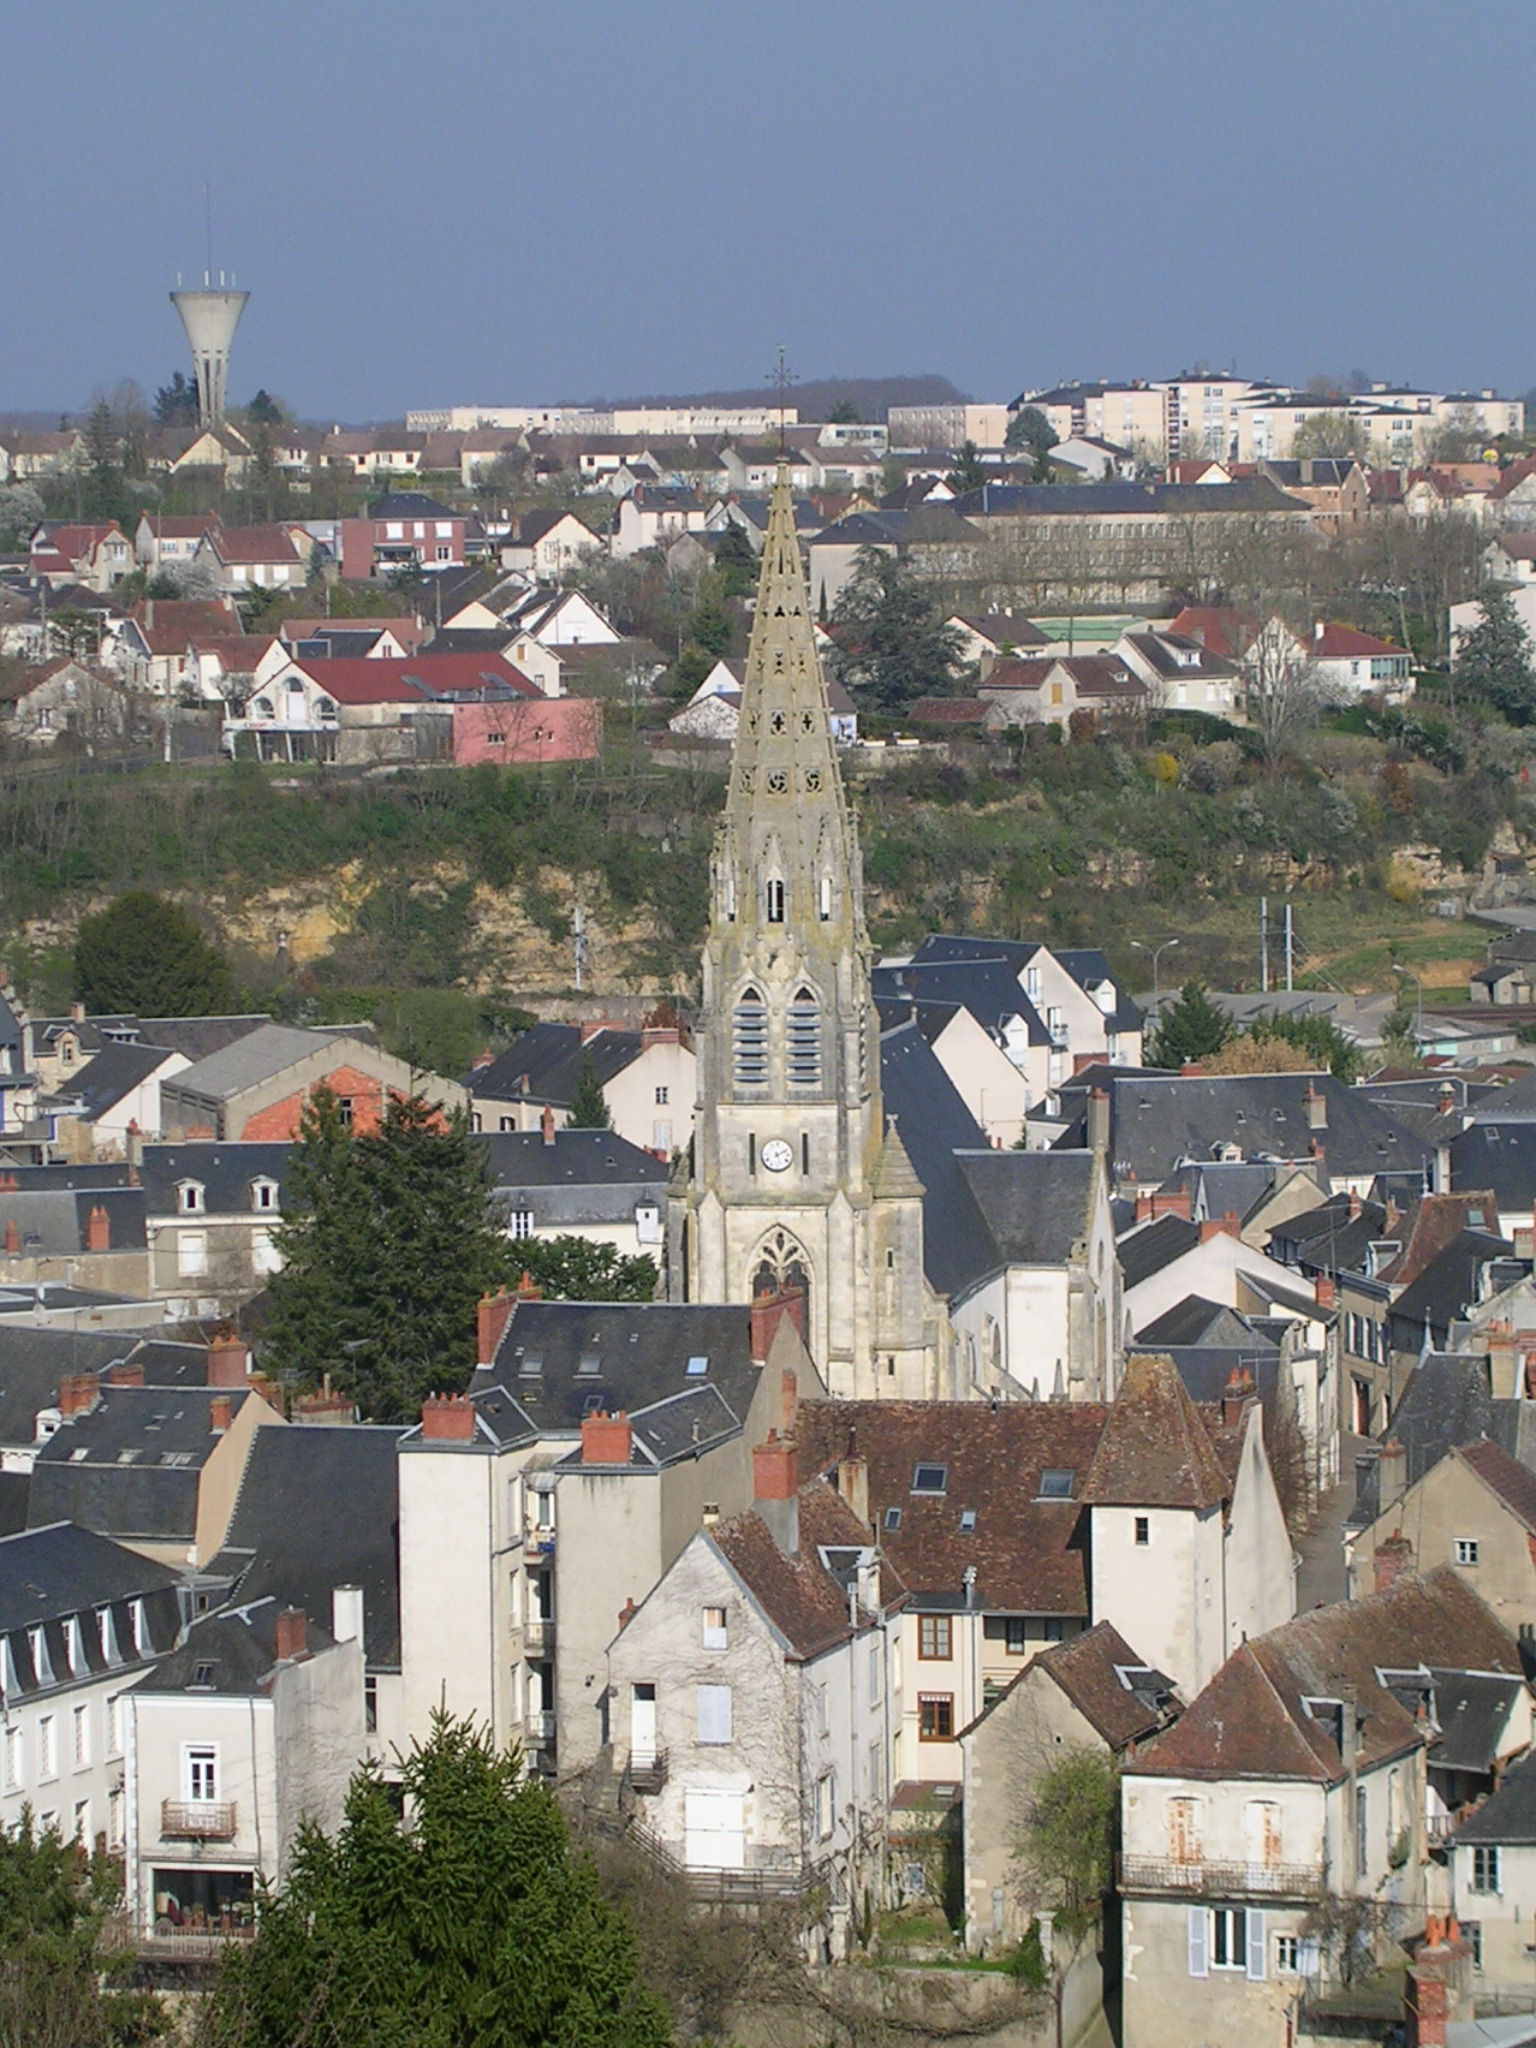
[
  {"x": 448, "y": 1418},
  {"x": 98, "y": 1230},
  {"x": 347, "y": 1614},
  {"x": 292, "y": 1634},
  {"x": 78, "y": 1393},
  {"x": 220, "y": 1414},
  {"x": 1325, "y": 1290},
  {"x": 1394, "y": 1556},
  {"x": 775, "y": 1469},
  {"x": 1238, "y": 1393},
  {"x": 606, "y": 1439}
]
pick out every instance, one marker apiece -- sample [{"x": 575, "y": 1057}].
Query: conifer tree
[
  {"x": 145, "y": 957},
  {"x": 467, "y": 1921},
  {"x": 1495, "y": 659},
  {"x": 1189, "y": 1029},
  {"x": 589, "y": 1109}
]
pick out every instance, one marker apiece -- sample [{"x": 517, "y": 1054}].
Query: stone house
[
  {"x": 648, "y": 1080},
  {"x": 258, "y": 1087},
  {"x": 1492, "y": 1864},
  {"x": 749, "y": 1697},
  {"x": 1473, "y": 1512}
]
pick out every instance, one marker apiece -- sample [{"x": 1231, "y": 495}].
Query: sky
[{"x": 495, "y": 203}]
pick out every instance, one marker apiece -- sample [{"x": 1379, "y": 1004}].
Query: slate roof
[
  {"x": 1126, "y": 500},
  {"x": 1159, "y": 1120},
  {"x": 1155, "y": 1451},
  {"x": 584, "y": 1177},
  {"x": 1087, "y": 967},
  {"x": 32, "y": 1363},
  {"x": 1510, "y": 1815},
  {"x": 546, "y": 1063},
  {"x": 1500, "y": 1156},
  {"x": 109, "y": 1075},
  {"x": 985, "y": 983},
  {"x": 1151, "y": 1246},
  {"x": 230, "y": 1654},
  {"x": 1446, "y": 1287},
  {"x": 145, "y": 1448},
  {"x": 418, "y": 678},
  {"x": 55, "y": 1222},
  {"x": 1471, "y": 1710},
  {"x": 934, "y": 1123},
  {"x": 1251, "y": 1721},
  {"x": 1036, "y": 1212},
  {"x": 319, "y": 1508},
  {"x": 1447, "y": 1401},
  {"x": 48, "y": 1574},
  {"x": 1195, "y": 1321},
  {"x": 1027, "y": 1552},
  {"x": 636, "y": 1357},
  {"x": 799, "y": 1595},
  {"x": 225, "y": 1172}
]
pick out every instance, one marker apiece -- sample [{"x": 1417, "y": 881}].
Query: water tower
[{"x": 210, "y": 317}]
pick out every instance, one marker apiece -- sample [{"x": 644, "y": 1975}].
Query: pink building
[
  {"x": 402, "y": 530},
  {"x": 527, "y": 730}
]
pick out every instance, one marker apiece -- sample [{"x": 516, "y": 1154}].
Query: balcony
[
  {"x": 1220, "y": 1880},
  {"x": 197, "y": 1820},
  {"x": 539, "y": 1729},
  {"x": 538, "y": 1543},
  {"x": 538, "y": 1637}
]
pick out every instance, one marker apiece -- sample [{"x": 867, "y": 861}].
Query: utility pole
[
  {"x": 1264, "y": 945},
  {"x": 1290, "y": 946}
]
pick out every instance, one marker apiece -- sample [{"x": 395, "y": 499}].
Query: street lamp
[
  {"x": 1418, "y": 1008},
  {"x": 1157, "y": 953}
]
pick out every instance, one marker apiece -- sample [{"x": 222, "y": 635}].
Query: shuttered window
[
  {"x": 714, "y": 1710},
  {"x": 749, "y": 1040}
]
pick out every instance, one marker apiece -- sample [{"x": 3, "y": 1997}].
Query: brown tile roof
[
  {"x": 1438, "y": 1220},
  {"x": 950, "y": 711},
  {"x": 253, "y": 544},
  {"x": 1028, "y": 1553},
  {"x": 798, "y": 1594},
  {"x": 1087, "y": 1669},
  {"x": 1250, "y": 1721},
  {"x": 169, "y": 624},
  {"x": 1514, "y": 1483},
  {"x": 1155, "y": 1451}
]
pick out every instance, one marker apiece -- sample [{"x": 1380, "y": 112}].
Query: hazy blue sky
[{"x": 482, "y": 202}]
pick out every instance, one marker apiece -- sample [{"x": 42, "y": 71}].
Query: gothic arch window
[
  {"x": 783, "y": 1269},
  {"x": 803, "y": 1039},
  {"x": 749, "y": 1040},
  {"x": 775, "y": 899}
]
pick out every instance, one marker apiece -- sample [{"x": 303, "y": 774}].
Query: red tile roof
[
  {"x": 360, "y": 679},
  {"x": 170, "y": 624},
  {"x": 253, "y": 544},
  {"x": 1339, "y": 642}
]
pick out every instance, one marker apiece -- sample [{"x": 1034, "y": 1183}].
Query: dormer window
[
  {"x": 189, "y": 1195},
  {"x": 264, "y": 1194}
]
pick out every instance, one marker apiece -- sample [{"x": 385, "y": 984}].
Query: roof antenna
[{"x": 208, "y": 223}]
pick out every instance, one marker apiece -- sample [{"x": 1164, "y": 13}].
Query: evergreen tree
[
  {"x": 589, "y": 1110},
  {"x": 469, "y": 1922},
  {"x": 1029, "y": 430},
  {"x": 53, "y": 1900},
  {"x": 176, "y": 402},
  {"x": 1189, "y": 1029},
  {"x": 575, "y": 1269},
  {"x": 893, "y": 645},
  {"x": 1495, "y": 659},
  {"x": 148, "y": 958},
  {"x": 735, "y": 562},
  {"x": 709, "y": 626},
  {"x": 388, "y": 1242},
  {"x": 969, "y": 472}
]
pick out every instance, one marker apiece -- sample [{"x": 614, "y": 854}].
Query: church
[{"x": 797, "y": 1186}]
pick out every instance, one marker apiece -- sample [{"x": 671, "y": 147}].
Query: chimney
[
  {"x": 98, "y": 1231},
  {"x": 77, "y": 1012},
  {"x": 12, "y": 1237},
  {"x": 1439, "y": 1989},
  {"x": 789, "y": 1401},
  {"x": 292, "y": 1634},
  {"x": 491, "y": 1319},
  {"x": 1503, "y": 1366},
  {"x": 853, "y": 1485},
  {"x": 1236, "y": 1396},
  {"x": 347, "y": 1614},
  {"x": 1316, "y": 1148},
  {"x": 659, "y": 1034},
  {"x": 1391, "y": 1475},
  {"x": 605, "y": 1439},
  {"x": 1394, "y": 1556},
  {"x": 133, "y": 1150},
  {"x": 776, "y": 1490},
  {"x": 765, "y": 1316},
  {"x": 483, "y": 1058},
  {"x": 122, "y": 1374},
  {"x": 547, "y": 1124},
  {"x": 78, "y": 1393},
  {"x": 1325, "y": 1291},
  {"x": 1354, "y": 1205},
  {"x": 1191, "y": 1070},
  {"x": 447, "y": 1418},
  {"x": 1228, "y": 1224},
  {"x": 229, "y": 1363},
  {"x": 594, "y": 1025},
  {"x": 1098, "y": 1120},
  {"x": 221, "y": 1413},
  {"x": 526, "y": 1290},
  {"x": 1317, "y": 1109}
]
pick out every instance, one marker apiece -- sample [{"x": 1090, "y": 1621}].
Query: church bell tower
[{"x": 795, "y": 1187}]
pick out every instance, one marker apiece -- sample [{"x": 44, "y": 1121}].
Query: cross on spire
[{"x": 781, "y": 377}]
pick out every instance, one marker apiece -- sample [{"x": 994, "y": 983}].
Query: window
[
  {"x": 1296, "y": 1955},
  {"x": 714, "y": 1628},
  {"x": 819, "y": 1700},
  {"x": 930, "y": 1478},
  {"x": 749, "y": 1040},
  {"x": 1056, "y": 1485},
  {"x": 892, "y": 1521},
  {"x": 522, "y": 1223},
  {"x": 1229, "y": 1938},
  {"x": 661, "y": 1098},
  {"x": 265, "y": 1257},
  {"x": 775, "y": 901},
  {"x": 13, "y": 1758},
  {"x": 82, "y": 1721},
  {"x": 263, "y": 1194},
  {"x": 1184, "y": 1846},
  {"x": 967, "y": 1521},
  {"x": 82, "y": 1832},
  {"x": 714, "y": 1713},
  {"x": 935, "y": 1716},
  {"x": 191, "y": 1193},
  {"x": 191, "y": 1253},
  {"x": 824, "y": 1806},
  {"x": 1362, "y": 1831},
  {"x": 115, "y": 1725},
  {"x": 1013, "y": 1635},
  {"x": 874, "y": 1674},
  {"x": 933, "y": 1638},
  {"x": 1466, "y": 1550},
  {"x": 1143, "y": 1530},
  {"x": 1473, "y": 1930},
  {"x": 344, "y": 1111},
  {"x": 115, "y": 1818},
  {"x": 47, "y": 1747},
  {"x": 200, "y": 1769},
  {"x": 804, "y": 1040},
  {"x": 495, "y": 739},
  {"x": 507, "y": 1123},
  {"x": 371, "y": 1704},
  {"x": 1485, "y": 1867}
]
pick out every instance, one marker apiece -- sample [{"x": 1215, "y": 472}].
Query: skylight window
[
  {"x": 967, "y": 1521},
  {"x": 697, "y": 1367},
  {"x": 1056, "y": 1485},
  {"x": 930, "y": 1479},
  {"x": 892, "y": 1520},
  {"x": 589, "y": 1363},
  {"x": 530, "y": 1366}
]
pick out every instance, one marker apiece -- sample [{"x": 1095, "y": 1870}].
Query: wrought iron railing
[{"x": 1209, "y": 1879}]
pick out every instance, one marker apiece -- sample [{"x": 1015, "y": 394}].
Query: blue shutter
[
  {"x": 1199, "y": 1941},
  {"x": 1255, "y": 1927}
]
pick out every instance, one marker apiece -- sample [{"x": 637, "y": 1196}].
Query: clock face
[{"x": 777, "y": 1156}]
